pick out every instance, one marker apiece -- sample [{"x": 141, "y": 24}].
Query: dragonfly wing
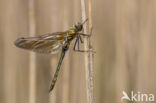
[
  {"x": 49, "y": 46},
  {"x": 49, "y": 43}
]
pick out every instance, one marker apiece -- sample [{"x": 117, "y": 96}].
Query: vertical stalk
[
  {"x": 65, "y": 88},
  {"x": 32, "y": 64},
  {"x": 89, "y": 55},
  {"x": 54, "y": 61}
]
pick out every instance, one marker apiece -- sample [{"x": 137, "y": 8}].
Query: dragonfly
[{"x": 53, "y": 43}]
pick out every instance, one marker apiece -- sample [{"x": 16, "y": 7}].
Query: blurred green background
[{"x": 124, "y": 38}]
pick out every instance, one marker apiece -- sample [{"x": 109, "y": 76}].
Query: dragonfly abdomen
[{"x": 57, "y": 71}]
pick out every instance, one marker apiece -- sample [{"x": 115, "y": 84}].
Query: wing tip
[{"x": 18, "y": 41}]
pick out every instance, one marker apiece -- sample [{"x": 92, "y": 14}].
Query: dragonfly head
[{"x": 79, "y": 26}]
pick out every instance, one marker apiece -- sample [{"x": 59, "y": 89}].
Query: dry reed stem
[
  {"x": 32, "y": 64},
  {"x": 65, "y": 91},
  {"x": 89, "y": 55}
]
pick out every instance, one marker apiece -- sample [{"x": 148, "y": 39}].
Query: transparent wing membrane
[{"x": 48, "y": 43}]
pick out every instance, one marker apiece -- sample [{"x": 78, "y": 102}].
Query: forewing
[{"x": 48, "y": 43}]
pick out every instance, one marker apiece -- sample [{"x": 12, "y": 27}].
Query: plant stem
[
  {"x": 88, "y": 56},
  {"x": 32, "y": 63}
]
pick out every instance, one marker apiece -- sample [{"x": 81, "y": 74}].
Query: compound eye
[{"x": 78, "y": 23}]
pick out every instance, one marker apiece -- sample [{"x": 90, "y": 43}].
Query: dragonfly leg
[
  {"x": 75, "y": 44},
  {"x": 78, "y": 48},
  {"x": 84, "y": 51},
  {"x": 80, "y": 39},
  {"x": 88, "y": 35}
]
